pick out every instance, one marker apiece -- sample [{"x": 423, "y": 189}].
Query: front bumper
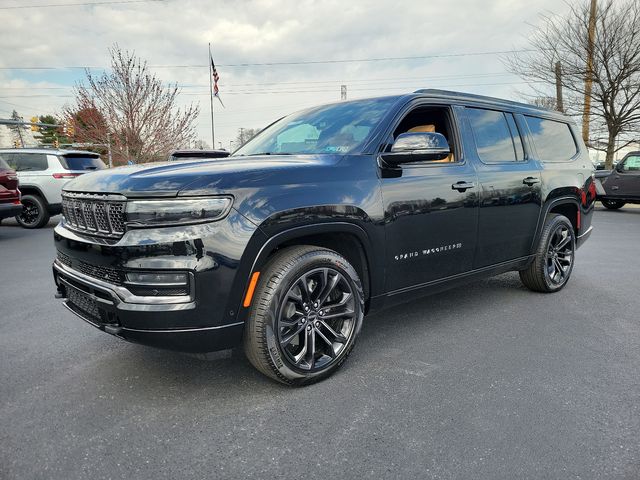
[
  {"x": 89, "y": 274},
  {"x": 101, "y": 305},
  {"x": 8, "y": 210}
]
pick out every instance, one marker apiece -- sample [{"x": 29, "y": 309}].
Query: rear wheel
[
  {"x": 34, "y": 212},
  {"x": 553, "y": 264},
  {"x": 305, "y": 316},
  {"x": 612, "y": 204}
]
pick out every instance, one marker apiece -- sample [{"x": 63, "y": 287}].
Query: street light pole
[{"x": 109, "y": 149}]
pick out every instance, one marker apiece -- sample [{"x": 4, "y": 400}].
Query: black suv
[
  {"x": 617, "y": 187},
  {"x": 324, "y": 216}
]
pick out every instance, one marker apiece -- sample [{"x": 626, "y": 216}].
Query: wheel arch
[
  {"x": 567, "y": 205},
  {"x": 346, "y": 238},
  {"x": 33, "y": 190}
]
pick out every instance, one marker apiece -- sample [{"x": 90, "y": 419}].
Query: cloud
[{"x": 262, "y": 31}]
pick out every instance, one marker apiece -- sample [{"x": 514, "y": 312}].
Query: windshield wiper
[{"x": 265, "y": 153}]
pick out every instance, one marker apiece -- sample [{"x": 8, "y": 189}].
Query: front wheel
[
  {"x": 612, "y": 204},
  {"x": 34, "y": 212},
  {"x": 306, "y": 314},
  {"x": 553, "y": 263}
]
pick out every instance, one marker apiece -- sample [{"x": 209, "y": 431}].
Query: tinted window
[
  {"x": 517, "y": 139},
  {"x": 81, "y": 162},
  {"x": 553, "y": 140},
  {"x": 26, "y": 162},
  {"x": 492, "y": 135},
  {"x": 631, "y": 163},
  {"x": 337, "y": 128},
  {"x": 3, "y": 165}
]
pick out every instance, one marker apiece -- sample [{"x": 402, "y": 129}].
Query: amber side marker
[{"x": 251, "y": 289}]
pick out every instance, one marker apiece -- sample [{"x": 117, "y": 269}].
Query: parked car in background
[
  {"x": 10, "y": 205},
  {"x": 324, "y": 216},
  {"x": 180, "y": 155},
  {"x": 42, "y": 173},
  {"x": 615, "y": 188}
]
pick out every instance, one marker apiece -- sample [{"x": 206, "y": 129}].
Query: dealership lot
[{"x": 488, "y": 381}]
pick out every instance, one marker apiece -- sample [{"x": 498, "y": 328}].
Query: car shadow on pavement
[
  {"x": 143, "y": 371},
  {"x": 10, "y": 229}
]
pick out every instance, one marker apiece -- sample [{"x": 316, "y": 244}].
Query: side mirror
[
  {"x": 619, "y": 167},
  {"x": 417, "y": 147}
]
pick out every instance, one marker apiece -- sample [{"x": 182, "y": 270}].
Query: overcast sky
[{"x": 173, "y": 35}]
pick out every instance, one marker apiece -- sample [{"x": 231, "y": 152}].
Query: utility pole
[
  {"x": 559, "y": 102},
  {"x": 343, "y": 92},
  {"x": 241, "y": 136},
  {"x": 589, "y": 78}
]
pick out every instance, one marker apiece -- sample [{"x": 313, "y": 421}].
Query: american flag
[{"x": 216, "y": 77}]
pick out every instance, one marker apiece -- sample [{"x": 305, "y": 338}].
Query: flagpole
[{"x": 213, "y": 135}]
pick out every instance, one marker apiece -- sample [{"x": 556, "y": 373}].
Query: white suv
[{"x": 42, "y": 173}]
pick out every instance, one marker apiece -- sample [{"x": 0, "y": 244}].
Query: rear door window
[
  {"x": 26, "y": 162},
  {"x": 553, "y": 140},
  {"x": 81, "y": 162},
  {"x": 492, "y": 134}
]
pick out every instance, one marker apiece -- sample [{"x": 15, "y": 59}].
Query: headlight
[{"x": 178, "y": 211}]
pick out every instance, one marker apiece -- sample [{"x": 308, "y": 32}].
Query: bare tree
[
  {"x": 615, "y": 95},
  {"x": 245, "y": 134},
  {"x": 545, "y": 102},
  {"x": 133, "y": 106}
]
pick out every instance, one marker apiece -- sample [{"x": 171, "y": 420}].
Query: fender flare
[
  {"x": 27, "y": 186},
  {"x": 312, "y": 229},
  {"x": 545, "y": 211},
  {"x": 258, "y": 259}
]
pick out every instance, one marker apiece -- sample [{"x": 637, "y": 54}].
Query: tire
[
  {"x": 34, "y": 214},
  {"x": 296, "y": 346},
  {"x": 555, "y": 255},
  {"x": 612, "y": 204}
]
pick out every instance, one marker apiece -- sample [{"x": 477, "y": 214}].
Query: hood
[{"x": 169, "y": 179}]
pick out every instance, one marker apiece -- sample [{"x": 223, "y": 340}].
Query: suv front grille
[
  {"x": 95, "y": 214},
  {"x": 107, "y": 274}
]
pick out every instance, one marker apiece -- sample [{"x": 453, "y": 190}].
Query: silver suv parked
[{"x": 42, "y": 173}]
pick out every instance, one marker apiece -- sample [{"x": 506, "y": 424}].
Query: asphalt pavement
[{"x": 489, "y": 381}]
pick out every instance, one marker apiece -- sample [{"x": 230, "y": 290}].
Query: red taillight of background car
[{"x": 65, "y": 175}]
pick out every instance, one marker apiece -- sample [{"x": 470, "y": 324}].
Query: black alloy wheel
[
  {"x": 554, "y": 258},
  {"x": 34, "y": 212},
  {"x": 560, "y": 252},
  {"x": 316, "y": 319},
  {"x": 305, "y": 315}
]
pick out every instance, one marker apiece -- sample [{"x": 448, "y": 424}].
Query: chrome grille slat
[{"x": 95, "y": 214}]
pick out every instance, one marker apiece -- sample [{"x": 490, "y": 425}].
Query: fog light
[{"x": 160, "y": 279}]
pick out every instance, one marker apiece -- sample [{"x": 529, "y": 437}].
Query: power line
[
  {"x": 303, "y": 82},
  {"x": 273, "y": 64},
  {"x": 52, "y": 5},
  {"x": 270, "y": 92}
]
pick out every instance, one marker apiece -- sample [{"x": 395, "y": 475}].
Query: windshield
[
  {"x": 82, "y": 162},
  {"x": 337, "y": 128}
]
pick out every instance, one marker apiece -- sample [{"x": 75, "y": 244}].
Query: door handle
[
  {"x": 462, "y": 186},
  {"x": 530, "y": 181}
]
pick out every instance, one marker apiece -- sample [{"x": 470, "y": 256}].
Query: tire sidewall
[
  {"x": 39, "y": 204},
  {"x": 552, "y": 226},
  {"x": 307, "y": 262},
  {"x": 612, "y": 204}
]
